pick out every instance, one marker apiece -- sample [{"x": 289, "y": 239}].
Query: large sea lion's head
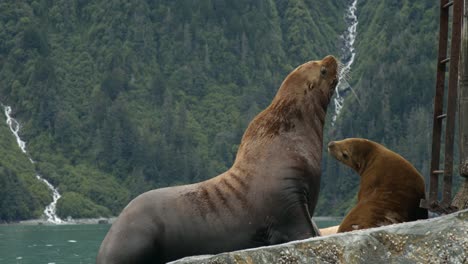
[
  {"x": 312, "y": 80},
  {"x": 353, "y": 152},
  {"x": 303, "y": 98}
]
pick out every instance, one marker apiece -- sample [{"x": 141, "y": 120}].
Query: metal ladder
[{"x": 432, "y": 203}]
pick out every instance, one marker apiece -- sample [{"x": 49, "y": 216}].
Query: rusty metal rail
[{"x": 432, "y": 203}]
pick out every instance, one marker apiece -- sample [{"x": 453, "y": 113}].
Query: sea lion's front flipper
[
  {"x": 299, "y": 224},
  {"x": 316, "y": 229}
]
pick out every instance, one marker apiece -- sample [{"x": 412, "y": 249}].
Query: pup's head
[{"x": 351, "y": 151}]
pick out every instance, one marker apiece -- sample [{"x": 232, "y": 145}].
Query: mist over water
[
  {"x": 50, "y": 210},
  {"x": 347, "y": 58}
]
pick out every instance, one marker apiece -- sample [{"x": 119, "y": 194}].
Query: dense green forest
[{"x": 119, "y": 97}]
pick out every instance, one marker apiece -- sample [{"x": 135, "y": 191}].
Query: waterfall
[
  {"x": 347, "y": 58},
  {"x": 50, "y": 210}
]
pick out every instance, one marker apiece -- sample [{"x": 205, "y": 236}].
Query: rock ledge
[{"x": 438, "y": 240}]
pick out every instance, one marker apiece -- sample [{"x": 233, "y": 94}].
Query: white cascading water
[
  {"x": 347, "y": 58},
  {"x": 50, "y": 210}
]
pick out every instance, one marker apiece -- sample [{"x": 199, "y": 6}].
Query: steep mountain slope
[
  {"x": 119, "y": 97},
  {"x": 21, "y": 197}
]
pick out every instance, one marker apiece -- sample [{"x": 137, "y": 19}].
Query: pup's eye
[
  {"x": 323, "y": 71},
  {"x": 345, "y": 156}
]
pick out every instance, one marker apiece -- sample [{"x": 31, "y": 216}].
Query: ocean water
[
  {"x": 61, "y": 244},
  {"x": 48, "y": 244}
]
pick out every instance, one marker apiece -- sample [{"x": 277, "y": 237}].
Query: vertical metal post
[
  {"x": 452, "y": 101},
  {"x": 438, "y": 102},
  {"x": 460, "y": 201},
  {"x": 463, "y": 107}
]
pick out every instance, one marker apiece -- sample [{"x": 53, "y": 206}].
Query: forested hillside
[{"x": 118, "y": 97}]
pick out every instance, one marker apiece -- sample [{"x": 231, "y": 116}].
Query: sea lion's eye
[
  {"x": 323, "y": 71},
  {"x": 345, "y": 156}
]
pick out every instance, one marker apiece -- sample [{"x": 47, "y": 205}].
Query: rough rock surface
[
  {"x": 438, "y": 240},
  {"x": 461, "y": 198}
]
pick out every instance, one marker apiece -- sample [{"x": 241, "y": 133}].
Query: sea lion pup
[
  {"x": 267, "y": 197},
  {"x": 390, "y": 187}
]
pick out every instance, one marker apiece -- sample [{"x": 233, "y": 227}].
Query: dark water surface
[
  {"x": 47, "y": 244},
  {"x": 60, "y": 244}
]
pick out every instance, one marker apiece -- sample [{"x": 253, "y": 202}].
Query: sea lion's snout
[
  {"x": 327, "y": 75},
  {"x": 329, "y": 59},
  {"x": 338, "y": 152},
  {"x": 331, "y": 148},
  {"x": 331, "y": 63},
  {"x": 331, "y": 145}
]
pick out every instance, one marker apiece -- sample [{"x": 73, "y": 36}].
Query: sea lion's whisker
[
  {"x": 345, "y": 75},
  {"x": 340, "y": 66},
  {"x": 357, "y": 98},
  {"x": 345, "y": 84}
]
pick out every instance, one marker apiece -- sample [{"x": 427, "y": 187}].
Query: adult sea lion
[
  {"x": 267, "y": 197},
  {"x": 390, "y": 187}
]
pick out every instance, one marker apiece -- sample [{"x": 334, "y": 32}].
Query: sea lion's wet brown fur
[
  {"x": 390, "y": 187},
  {"x": 266, "y": 197}
]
